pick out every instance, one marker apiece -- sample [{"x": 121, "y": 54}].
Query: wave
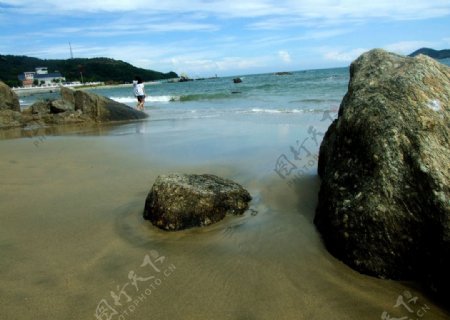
[
  {"x": 266, "y": 86},
  {"x": 260, "y": 110},
  {"x": 315, "y": 100},
  {"x": 287, "y": 111},
  {"x": 196, "y": 97},
  {"x": 147, "y": 99},
  {"x": 182, "y": 98}
]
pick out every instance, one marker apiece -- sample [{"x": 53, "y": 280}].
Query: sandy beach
[{"x": 74, "y": 244}]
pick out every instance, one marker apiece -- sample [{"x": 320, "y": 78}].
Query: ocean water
[
  {"x": 301, "y": 92},
  {"x": 312, "y": 91},
  {"x": 281, "y": 117},
  {"x": 213, "y": 119}
]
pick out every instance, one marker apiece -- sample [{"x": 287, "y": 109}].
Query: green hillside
[
  {"x": 436, "y": 54},
  {"x": 95, "y": 69}
]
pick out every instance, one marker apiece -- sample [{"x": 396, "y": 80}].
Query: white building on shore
[{"x": 40, "y": 77}]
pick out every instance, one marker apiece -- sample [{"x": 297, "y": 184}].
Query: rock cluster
[
  {"x": 75, "y": 106},
  {"x": 180, "y": 201},
  {"x": 384, "y": 202}
]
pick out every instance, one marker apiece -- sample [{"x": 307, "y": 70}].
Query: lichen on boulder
[
  {"x": 181, "y": 201},
  {"x": 10, "y": 115},
  {"x": 384, "y": 201},
  {"x": 8, "y": 98}
]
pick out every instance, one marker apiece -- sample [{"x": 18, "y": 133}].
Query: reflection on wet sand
[
  {"x": 38, "y": 132},
  {"x": 74, "y": 243}
]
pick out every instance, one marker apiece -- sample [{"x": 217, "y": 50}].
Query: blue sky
[{"x": 204, "y": 38}]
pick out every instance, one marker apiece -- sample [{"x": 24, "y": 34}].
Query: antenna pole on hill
[{"x": 71, "y": 52}]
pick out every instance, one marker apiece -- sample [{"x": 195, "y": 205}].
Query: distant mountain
[
  {"x": 436, "y": 54},
  {"x": 95, "y": 69}
]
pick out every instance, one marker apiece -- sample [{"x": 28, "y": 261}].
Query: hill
[
  {"x": 436, "y": 54},
  {"x": 94, "y": 69}
]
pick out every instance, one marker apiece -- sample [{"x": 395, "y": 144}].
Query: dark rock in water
[
  {"x": 185, "y": 78},
  {"x": 283, "y": 73},
  {"x": 80, "y": 106},
  {"x": 75, "y": 107},
  {"x": 237, "y": 80},
  {"x": 384, "y": 202},
  {"x": 8, "y": 98},
  {"x": 102, "y": 109},
  {"x": 181, "y": 201}
]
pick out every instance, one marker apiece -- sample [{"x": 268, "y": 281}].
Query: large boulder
[
  {"x": 384, "y": 202},
  {"x": 180, "y": 201},
  {"x": 74, "y": 107},
  {"x": 8, "y": 98},
  {"x": 99, "y": 108},
  {"x": 77, "y": 106}
]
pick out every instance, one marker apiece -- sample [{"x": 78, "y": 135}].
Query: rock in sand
[
  {"x": 180, "y": 201},
  {"x": 384, "y": 202}
]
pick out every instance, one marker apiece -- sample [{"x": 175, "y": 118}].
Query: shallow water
[{"x": 73, "y": 237}]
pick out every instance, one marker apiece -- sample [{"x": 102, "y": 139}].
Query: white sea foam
[
  {"x": 260, "y": 110},
  {"x": 131, "y": 99}
]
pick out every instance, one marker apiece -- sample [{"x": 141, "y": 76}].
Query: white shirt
[{"x": 138, "y": 89}]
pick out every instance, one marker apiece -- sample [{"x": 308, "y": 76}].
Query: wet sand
[{"x": 72, "y": 232}]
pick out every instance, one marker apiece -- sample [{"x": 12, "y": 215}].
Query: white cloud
[
  {"x": 306, "y": 9},
  {"x": 229, "y": 8},
  {"x": 343, "y": 55},
  {"x": 285, "y": 56},
  {"x": 115, "y": 29},
  {"x": 282, "y": 40},
  {"x": 221, "y": 65},
  {"x": 356, "y": 9},
  {"x": 407, "y": 47},
  {"x": 324, "y": 33}
]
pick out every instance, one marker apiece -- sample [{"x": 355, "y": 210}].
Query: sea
[
  {"x": 311, "y": 91},
  {"x": 272, "y": 110},
  {"x": 287, "y": 113}
]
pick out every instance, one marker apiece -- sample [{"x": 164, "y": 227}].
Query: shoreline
[
  {"x": 26, "y": 91},
  {"x": 29, "y": 91}
]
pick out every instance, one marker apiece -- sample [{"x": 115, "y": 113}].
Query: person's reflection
[{"x": 140, "y": 127}]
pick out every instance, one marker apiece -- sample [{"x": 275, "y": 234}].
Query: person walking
[{"x": 138, "y": 86}]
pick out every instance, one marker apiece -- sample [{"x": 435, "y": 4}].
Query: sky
[{"x": 229, "y": 37}]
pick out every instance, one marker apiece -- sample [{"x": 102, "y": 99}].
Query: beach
[{"x": 74, "y": 244}]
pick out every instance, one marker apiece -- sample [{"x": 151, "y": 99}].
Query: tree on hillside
[{"x": 94, "y": 69}]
